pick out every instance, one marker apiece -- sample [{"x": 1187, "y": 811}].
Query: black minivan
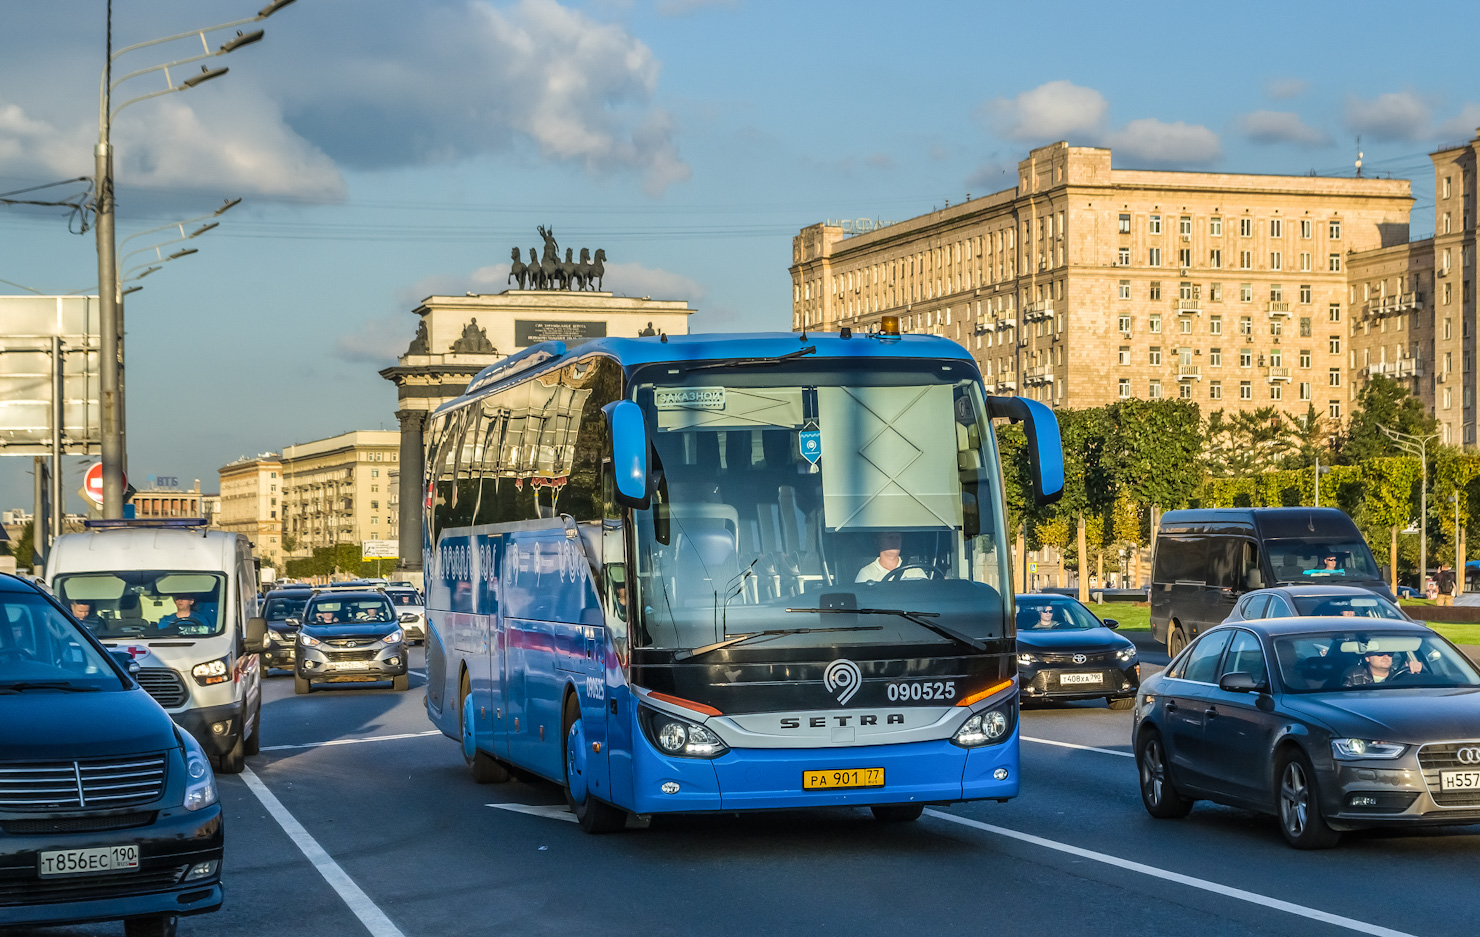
[
  {"x": 107, "y": 810},
  {"x": 1206, "y": 558}
]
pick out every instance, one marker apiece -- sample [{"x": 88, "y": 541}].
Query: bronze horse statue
[
  {"x": 536, "y": 278},
  {"x": 568, "y": 271},
  {"x": 598, "y": 269},
  {"x": 518, "y": 272}
]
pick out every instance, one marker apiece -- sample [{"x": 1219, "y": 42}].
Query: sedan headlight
[
  {"x": 1363, "y": 749},
  {"x": 308, "y": 640},
  {"x": 1026, "y": 659},
  {"x": 200, "y": 782},
  {"x": 211, "y": 672},
  {"x": 395, "y": 637},
  {"x": 275, "y": 636},
  {"x": 985, "y": 728},
  {"x": 1125, "y": 655},
  {"x": 674, "y": 736}
]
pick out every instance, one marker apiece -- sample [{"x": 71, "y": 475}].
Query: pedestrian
[{"x": 1444, "y": 580}]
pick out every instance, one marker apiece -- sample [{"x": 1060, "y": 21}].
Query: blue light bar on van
[
  {"x": 181, "y": 522},
  {"x": 523, "y": 361}
]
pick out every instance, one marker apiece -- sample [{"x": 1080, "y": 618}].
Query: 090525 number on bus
[{"x": 922, "y": 690}]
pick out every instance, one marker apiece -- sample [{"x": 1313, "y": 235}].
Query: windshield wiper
[
  {"x": 775, "y": 632},
  {"x": 920, "y": 618},
  {"x": 20, "y": 685},
  {"x": 741, "y": 362}
]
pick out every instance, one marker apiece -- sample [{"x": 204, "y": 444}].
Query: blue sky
[{"x": 386, "y": 150}]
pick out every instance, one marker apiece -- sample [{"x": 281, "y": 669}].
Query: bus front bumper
[{"x": 933, "y": 772}]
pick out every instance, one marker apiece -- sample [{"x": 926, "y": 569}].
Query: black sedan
[
  {"x": 283, "y": 610},
  {"x": 107, "y": 810},
  {"x": 1066, "y": 653},
  {"x": 1330, "y": 724}
]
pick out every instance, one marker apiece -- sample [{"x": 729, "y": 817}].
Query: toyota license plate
[
  {"x": 348, "y": 665},
  {"x": 1068, "y": 678},
  {"x": 1459, "y": 780},
  {"x": 844, "y": 777},
  {"x": 82, "y": 861}
]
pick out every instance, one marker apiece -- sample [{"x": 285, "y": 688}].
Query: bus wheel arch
[
  {"x": 594, "y": 815},
  {"x": 486, "y": 769}
]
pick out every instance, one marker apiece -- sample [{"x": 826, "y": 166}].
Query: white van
[{"x": 182, "y": 601}]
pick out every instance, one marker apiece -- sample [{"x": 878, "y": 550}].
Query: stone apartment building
[
  {"x": 1085, "y": 283},
  {"x": 340, "y": 490},
  {"x": 252, "y": 502},
  {"x": 1414, "y": 315}
]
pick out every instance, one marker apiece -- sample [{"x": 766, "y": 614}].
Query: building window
[
  {"x": 1184, "y": 390},
  {"x": 1155, "y": 227},
  {"x": 1246, "y": 292},
  {"x": 1246, "y": 227},
  {"x": 1125, "y": 354},
  {"x": 1246, "y": 325},
  {"x": 1125, "y": 224},
  {"x": 1335, "y": 377},
  {"x": 1305, "y": 227},
  {"x": 1305, "y": 326},
  {"x": 1184, "y": 257},
  {"x": 1155, "y": 355},
  {"x": 1124, "y": 289},
  {"x": 1246, "y": 260},
  {"x": 1276, "y": 228},
  {"x": 1215, "y": 390},
  {"x": 1245, "y": 358},
  {"x": 375, "y": 473},
  {"x": 1305, "y": 261},
  {"x": 1215, "y": 292},
  {"x": 1334, "y": 410},
  {"x": 1125, "y": 387},
  {"x": 1276, "y": 328},
  {"x": 1215, "y": 357},
  {"x": 1276, "y": 292},
  {"x": 1334, "y": 263},
  {"x": 1245, "y": 390},
  {"x": 1184, "y": 226},
  {"x": 1305, "y": 390},
  {"x": 1334, "y": 230},
  {"x": 1155, "y": 323},
  {"x": 1154, "y": 391},
  {"x": 1305, "y": 294},
  {"x": 1276, "y": 391},
  {"x": 1215, "y": 259},
  {"x": 1305, "y": 357},
  {"x": 1125, "y": 324},
  {"x": 1215, "y": 227},
  {"x": 1448, "y": 398},
  {"x": 1185, "y": 324},
  {"x": 1335, "y": 344},
  {"x": 1333, "y": 312},
  {"x": 1154, "y": 257},
  {"x": 1124, "y": 257},
  {"x": 1276, "y": 261}
]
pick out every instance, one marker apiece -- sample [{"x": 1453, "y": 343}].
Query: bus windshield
[
  {"x": 835, "y": 502},
  {"x": 1321, "y": 560},
  {"x": 145, "y": 603}
]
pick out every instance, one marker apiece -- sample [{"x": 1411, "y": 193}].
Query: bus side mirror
[
  {"x": 629, "y": 435},
  {"x": 1045, "y": 447}
]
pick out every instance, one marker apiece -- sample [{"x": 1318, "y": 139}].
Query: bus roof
[{"x": 705, "y": 346}]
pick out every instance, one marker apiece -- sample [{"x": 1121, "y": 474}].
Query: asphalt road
[{"x": 390, "y": 814}]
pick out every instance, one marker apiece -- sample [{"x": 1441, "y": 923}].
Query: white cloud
[
  {"x": 1400, "y": 115},
  {"x": 1058, "y": 110},
  {"x": 1281, "y": 127},
  {"x": 1157, "y": 143},
  {"x": 1283, "y": 89},
  {"x": 1464, "y": 124},
  {"x": 880, "y": 161},
  {"x": 636, "y": 280}
]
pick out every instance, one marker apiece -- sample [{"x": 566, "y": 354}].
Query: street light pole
[{"x": 1419, "y": 446}]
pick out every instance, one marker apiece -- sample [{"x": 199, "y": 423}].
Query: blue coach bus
[{"x": 729, "y": 572}]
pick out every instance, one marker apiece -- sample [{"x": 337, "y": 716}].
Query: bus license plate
[
  {"x": 348, "y": 665},
  {"x": 850, "y": 777},
  {"x": 81, "y": 861},
  {"x": 1459, "y": 780},
  {"x": 1065, "y": 678}
]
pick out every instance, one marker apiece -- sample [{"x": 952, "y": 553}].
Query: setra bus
[{"x": 729, "y": 572}]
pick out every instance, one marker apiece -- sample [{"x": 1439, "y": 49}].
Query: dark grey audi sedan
[{"x": 1330, "y": 724}]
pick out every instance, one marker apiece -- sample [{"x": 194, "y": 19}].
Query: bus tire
[
  {"x": 897, "y": 813},
  {"x": 301, "y": 685},
  {"x": 595, "y": 816}
]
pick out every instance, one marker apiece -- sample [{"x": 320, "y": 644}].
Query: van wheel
[
  {"x": 157, "y": 925},
  {"x": 897, "y": 813},
  {"x": 234, "y": 760},
  {"x": 300, "y": 685},
  {"x": 253, "y": 744},
  {"x": 1176, "y": 640}
]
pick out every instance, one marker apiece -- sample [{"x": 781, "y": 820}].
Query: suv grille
[
  {"x": 1090, "y": 657},
  {"x": 164, "y": 685},
  {"x": 1444, "y": 756},
  {"x": 366, "y": 654},
  {"x": 54, "y": 785}
]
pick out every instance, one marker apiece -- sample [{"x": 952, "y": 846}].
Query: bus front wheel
[
  {"x": 593, "y": 815},
  {"x": 486, "y": 769}
]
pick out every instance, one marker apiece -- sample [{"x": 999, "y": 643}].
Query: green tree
[
  {"x": 1310, "y": 439},
  {"x": 25, "y": 547},
  {"x": 1153, "y": 453},
  {"x": 1383, "y": 402}
]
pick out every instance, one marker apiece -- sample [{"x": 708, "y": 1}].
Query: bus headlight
[
  {"x": 985, "y": 728},
  {"x": 679, "y": 737}
]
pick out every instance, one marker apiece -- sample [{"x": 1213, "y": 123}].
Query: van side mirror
[
  {"x": 1045, "y": 445},
  {"x": 1241, "y": 683},
  {"x": 629, "y": 436},
  {"x": 126, "y": 660},
  {"x": 256, "y": 637}
]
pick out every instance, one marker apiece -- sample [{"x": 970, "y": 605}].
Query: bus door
[{"x": 493, "y": 657}]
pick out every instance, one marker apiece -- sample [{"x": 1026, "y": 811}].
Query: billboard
[
  {"x": 378, "y": 549},
  {"x": 27, "y": 326}
]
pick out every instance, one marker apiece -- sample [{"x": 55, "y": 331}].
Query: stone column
[{"x": 412, "y": 468}]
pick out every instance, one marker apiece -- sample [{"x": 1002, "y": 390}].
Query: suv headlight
[
  {"x": 986, "y": 728},
  {"x": 1362, "y": 749},
  {"x": 674, "y": 736},
  {"x": 1026, "y": 659},
  {"x": 395, "y": 637},
  {"x": 308, "y": 640},
  {"x": 211, "y": 672},
  {"x": 200, "y": 782}
]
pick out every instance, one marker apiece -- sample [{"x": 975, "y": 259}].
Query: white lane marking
[
  {"x": 1314, "y": 914},
  {"x": 1083, "y": 748},
  {"x": 419, "y": 673},
  {"x": 373, "y": 738},
  {"x": 366, "y": 910},
  {"x": 552, "y": 812}
]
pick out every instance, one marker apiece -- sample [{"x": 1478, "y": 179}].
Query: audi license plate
[
  {"x": 348, "y": 665},
  {"x": 1068, "y": 678},
  {"x": 849, "y": 777},
  {"x": 1459, "y": 780},
  {"x": 80, "y": 861}
]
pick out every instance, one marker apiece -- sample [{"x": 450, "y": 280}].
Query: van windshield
[
  {"x": 1321, "y": 560},
  {"x": 145, "y": 603}
]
